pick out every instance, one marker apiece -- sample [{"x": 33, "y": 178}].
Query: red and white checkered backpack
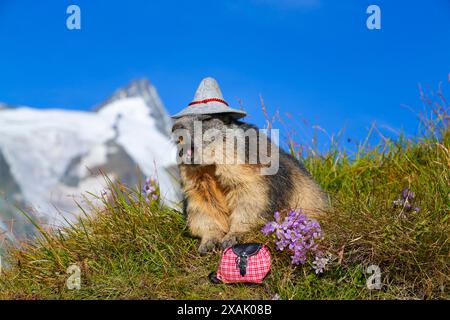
[{"x": 248, "y": 262}]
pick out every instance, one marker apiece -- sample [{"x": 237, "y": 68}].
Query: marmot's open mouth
[{"x": 185, "y": 153}]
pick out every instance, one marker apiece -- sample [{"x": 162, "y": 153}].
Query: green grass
[
  {"x": 130, "y": 249},
  {"x": 135, "y": 250}
]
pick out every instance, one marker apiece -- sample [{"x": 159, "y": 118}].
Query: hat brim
[{"x": 209, "y": 108}]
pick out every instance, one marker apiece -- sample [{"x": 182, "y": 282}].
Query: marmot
[{"x": 223, "y": 200}]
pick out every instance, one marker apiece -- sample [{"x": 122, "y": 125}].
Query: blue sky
[{"x": 312, "y": 58}]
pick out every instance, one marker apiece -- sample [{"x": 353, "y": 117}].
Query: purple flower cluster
[
  {"x": 405, "y": 201},
  {"x": 299, "y": 235},
  {"x": 151, "y": 189}
]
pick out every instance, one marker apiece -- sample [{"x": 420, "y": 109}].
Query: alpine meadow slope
[{"x": 130, "y": 246}]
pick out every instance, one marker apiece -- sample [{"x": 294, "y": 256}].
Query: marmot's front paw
[
  {"x": 207, "y": 246},
  {"x": 230, "y": 240}
]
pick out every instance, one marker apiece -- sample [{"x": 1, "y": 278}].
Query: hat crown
[
  {"x": 208, "y": 88},
  {"x": 208, "y": 99}
]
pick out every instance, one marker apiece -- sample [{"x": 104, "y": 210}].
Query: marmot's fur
[{"x": 223, "y": 201}]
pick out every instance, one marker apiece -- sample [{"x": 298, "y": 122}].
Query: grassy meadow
[{"x": 130, "y": 248}]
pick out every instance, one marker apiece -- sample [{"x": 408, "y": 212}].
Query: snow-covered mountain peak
[
  {"x": 51, "y": 157},
  {"x": 134, "y": 94},
  {"x": 136, "y": 88}
]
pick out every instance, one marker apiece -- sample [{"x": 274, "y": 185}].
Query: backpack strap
[{"x": 243, "y": 252}]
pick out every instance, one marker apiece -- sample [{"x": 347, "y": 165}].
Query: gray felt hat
[{"x": 208, "y": 99}]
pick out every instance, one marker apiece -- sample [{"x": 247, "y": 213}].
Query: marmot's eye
[{"x": 180, "y": 140}]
